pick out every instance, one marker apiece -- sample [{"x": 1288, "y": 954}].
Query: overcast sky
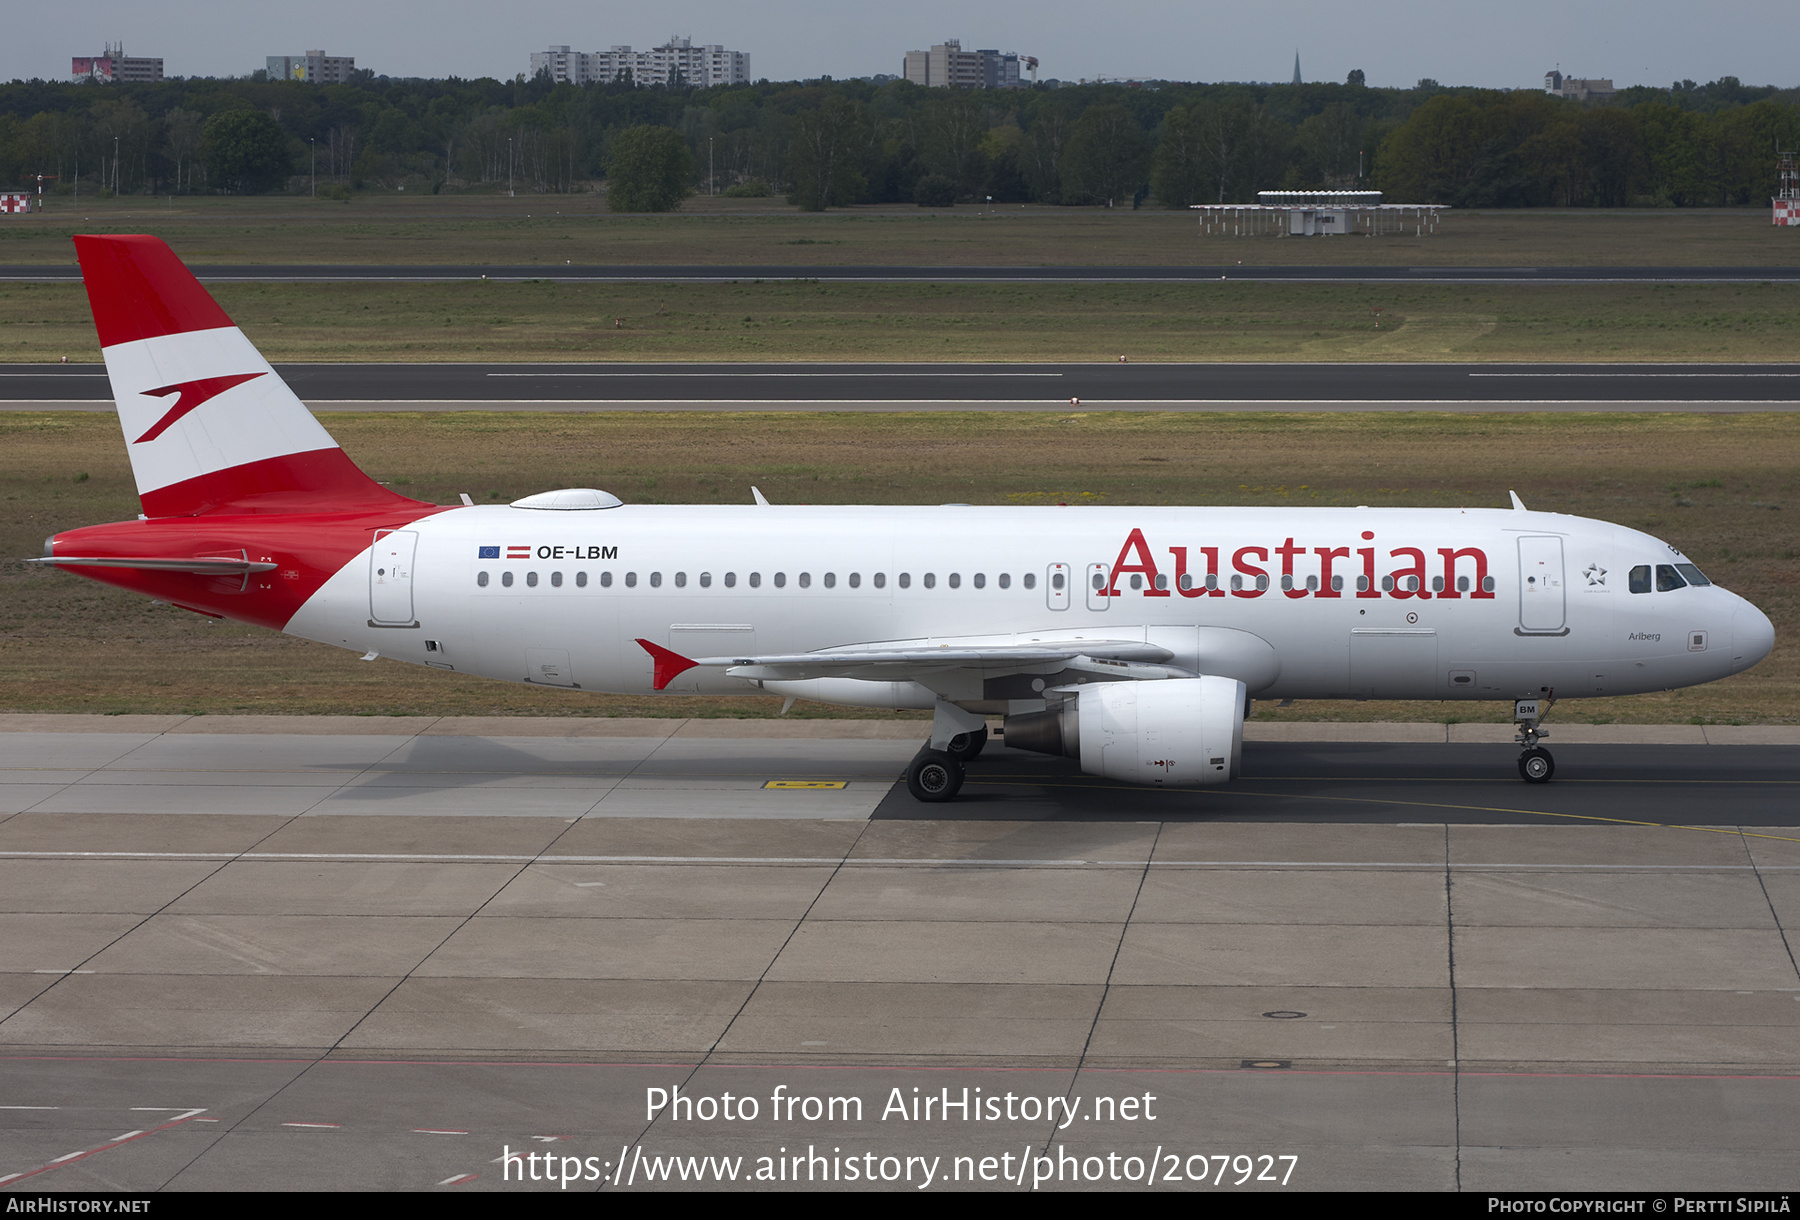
[{"x": 1492, "y": 44}]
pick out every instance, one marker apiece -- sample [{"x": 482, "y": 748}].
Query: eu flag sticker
[{"x": 489, "y": 552}]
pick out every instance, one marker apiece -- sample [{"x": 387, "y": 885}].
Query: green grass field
[
  {"x": 785, "y": 320},
  {"x": 1722, "y": 487},
  {"x": 544, "y": 229}
]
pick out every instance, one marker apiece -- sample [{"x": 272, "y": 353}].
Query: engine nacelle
[{"x": 1180, "y": 731}]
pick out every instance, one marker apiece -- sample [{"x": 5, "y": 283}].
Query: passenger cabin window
[
  {"x": 831, "y": 580},
  {"x": 956, "y": 580},
  {"x": 881, "y": 580},
  {"x": 756, "y": 580},
  {"x": 506, "y": 579},
  {"x": 531, "y": 580},
  {"x": 481, "y": 579},
  {"x": 631, "y": 580},
  {"x": 1639, "y": 579},
  {"x": 581, "y": 580},
  {"x": 706, "y": 580},
  {"x": 805, "y": 580},
  {"x": 856, "y": 580},
  {"x": 1668, "y": 579},
  {"x": 656, "y": 580},
  {"x": 931, "y": 580},
  {"x": 681, "y": 580},
  {"x": 906, "y": 580},
  {"x": 731, "y": 580},
  {"x": 556, "y": 580},
  {"x": 1005, "y": 580},
  {"x": 606, "y": 580},
  {"x": 981, "y": 580}
]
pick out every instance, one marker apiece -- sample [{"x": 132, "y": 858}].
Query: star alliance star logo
[{"x": 1596, "y": 575}]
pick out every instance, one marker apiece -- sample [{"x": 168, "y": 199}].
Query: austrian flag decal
[{"x": 518, "y": 552}]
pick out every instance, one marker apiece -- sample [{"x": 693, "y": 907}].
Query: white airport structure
[
  {"x": 1787, "y": 190},
  {"x": 314, "y": 67},
  {"x": 948, "y": 66},
  {"x": 678, "y": 59},
  {"x": 1317, "y": 214},
  {"x": 117, "y": 66}
]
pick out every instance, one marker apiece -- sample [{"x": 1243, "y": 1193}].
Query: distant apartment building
[
  {"x": 315, "y": 67},
  {"x": 948, "y": 66},
  {"x": 677, "y": 59},
  {"x": 1577, "y": 89},
  {"x": 115, "y": 65}
]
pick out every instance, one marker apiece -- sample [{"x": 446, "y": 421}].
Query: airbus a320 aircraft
[{"x": 1130, "y": 639}]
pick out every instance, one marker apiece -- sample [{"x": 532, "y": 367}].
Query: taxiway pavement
[
  {"x": 960, "y": 387},
  {"x": 717, "y": 273},
  {"x": 370, "y": 952}
]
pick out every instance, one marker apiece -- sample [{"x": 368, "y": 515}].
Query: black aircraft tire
[
  {"x": 1536, "y": 766},
  {"x": 967, "y": 747},
  {"x": 934, "y": 776}
]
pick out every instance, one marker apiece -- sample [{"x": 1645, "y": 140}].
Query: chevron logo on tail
[{"x": 193, "y": 393}]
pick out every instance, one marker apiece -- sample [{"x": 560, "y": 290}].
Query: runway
[
  {"x": 713, "y": 273},
  {"x": 1034, "y": 387},
  {"x": 377, "y": 953}
]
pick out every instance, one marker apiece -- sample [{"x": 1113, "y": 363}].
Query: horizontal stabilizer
[{"x": 202, "y": 565}]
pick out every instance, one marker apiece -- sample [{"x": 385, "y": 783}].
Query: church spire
[{"x": 1297, "y": 67}]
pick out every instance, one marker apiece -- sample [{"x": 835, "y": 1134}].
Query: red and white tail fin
[{"x": 210, "y": 427}]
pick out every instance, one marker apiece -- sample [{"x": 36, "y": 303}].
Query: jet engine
[{"x": 1180, "y": 731}]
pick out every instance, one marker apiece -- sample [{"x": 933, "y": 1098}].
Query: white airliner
[{"x": 1131, "y": 639}]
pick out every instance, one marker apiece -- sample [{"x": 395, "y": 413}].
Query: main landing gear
[
  {"x": 1535, "y": 764},
  {"x": 934, "y": 775},
  {"x": 957, "y": 736},
  {"x": 967, "y": 747}
]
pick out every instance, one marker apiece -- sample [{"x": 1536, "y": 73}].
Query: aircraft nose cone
[{"x": 1752, "y": 636}]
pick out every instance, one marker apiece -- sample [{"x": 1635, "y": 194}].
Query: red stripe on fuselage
[{"x": 308, "y": 549}]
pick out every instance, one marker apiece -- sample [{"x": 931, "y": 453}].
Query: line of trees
[{"x": 830, "y": 143}]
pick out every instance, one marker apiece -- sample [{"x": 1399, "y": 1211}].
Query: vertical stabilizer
[{"x": 209, "y": 426}]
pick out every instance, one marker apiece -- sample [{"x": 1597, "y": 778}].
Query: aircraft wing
[{"x": 908, "y": 660}]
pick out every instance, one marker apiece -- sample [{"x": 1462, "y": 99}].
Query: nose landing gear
[{"x": 1535, "y": 764}]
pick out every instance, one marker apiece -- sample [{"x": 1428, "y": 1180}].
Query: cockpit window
[
  {"x": 1693, "y": 575},
  {"x": 1668, "y": 578},
  {"x": 1640, "y": 578}
]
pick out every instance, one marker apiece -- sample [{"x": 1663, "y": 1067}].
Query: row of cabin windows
[
  {"x": 805, "y": 579},
  {"x": 1669, "y": 576},
  {"x": 1410, "y": 584}
]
